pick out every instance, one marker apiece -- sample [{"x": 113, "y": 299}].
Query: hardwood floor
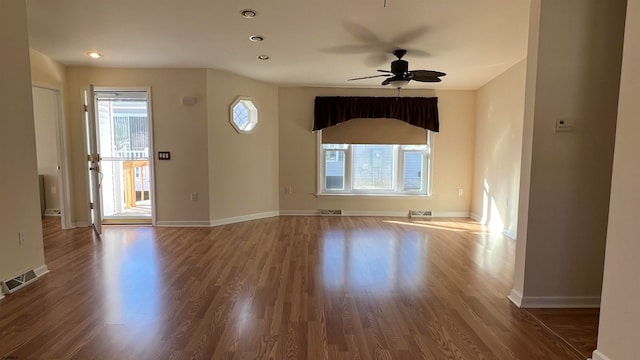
[
  {"x": 280, "y": 288},
  {"x": 578, "y": 327}
]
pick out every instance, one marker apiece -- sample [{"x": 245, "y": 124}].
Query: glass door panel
[{"x": 124, "y": 143}]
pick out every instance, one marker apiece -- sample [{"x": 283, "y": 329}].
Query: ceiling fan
[{"x": 400, "y": 75}]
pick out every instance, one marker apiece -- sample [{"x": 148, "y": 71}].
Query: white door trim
[{"x": 152, "y": 181}]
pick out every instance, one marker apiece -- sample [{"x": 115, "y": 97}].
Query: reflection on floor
[{"x": 278, "y": 288}]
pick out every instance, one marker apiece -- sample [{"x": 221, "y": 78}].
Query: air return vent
[
  {"x": 330, "y": 212},
  {"x": 420, "y": 213},
  {"x": 18, "y": 282}
]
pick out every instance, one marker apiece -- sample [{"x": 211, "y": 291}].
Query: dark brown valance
[{"x": 417, "y": 111}]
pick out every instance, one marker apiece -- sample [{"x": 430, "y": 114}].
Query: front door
[{"x": 123, "y": 138}]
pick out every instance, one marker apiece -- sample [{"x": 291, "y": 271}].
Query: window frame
[
  {"x": 252, "y": 114},
  {"x": 398, "y": 172}
]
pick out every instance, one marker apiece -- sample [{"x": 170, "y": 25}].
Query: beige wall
[
  {"x": 46, "y": 71},
  {"x": 560, "y": 253},
  {"x": 19, "y": 195},
  {"x": 177, "y": 128},
  {"x": 619, "y": 313},
  {"x": 242, "y": 168},
  {"x": 498, "y": 145},
  {"x": 452, "y": 154}
]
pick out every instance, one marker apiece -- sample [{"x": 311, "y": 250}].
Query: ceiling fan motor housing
[{"x": 399, "y": 67}]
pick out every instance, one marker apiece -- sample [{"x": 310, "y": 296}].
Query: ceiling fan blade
[
  {"x": 387, "y": 81},
  {"x": 366, "y": 77},
  {"x": 376, "y": 59},
  {"x": 426, "y": 74},
  {"x": 411, "y": 35},
  {"x": 363, "y": 34},
  {"x": 386, "y": 71},
  {"x": 427, "y": 79},
  {"x": 347, "y": 49}
]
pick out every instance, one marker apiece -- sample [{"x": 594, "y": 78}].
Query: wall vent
[
  {"x": 420, "y": 213},
  {"x": 330, "y": 212},
  {"x": 18, "y": 282}
]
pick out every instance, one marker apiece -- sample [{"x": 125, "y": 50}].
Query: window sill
[{"x": 388, "y": 196}]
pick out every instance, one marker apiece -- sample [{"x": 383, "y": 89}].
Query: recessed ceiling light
[
  {"x": 263, "y": 57},
  {"x": 256, "y": 38},
  {"x": 94, "y": 55},
  {"x": 248, "y": 13}
]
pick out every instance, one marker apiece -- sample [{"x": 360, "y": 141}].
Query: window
[
  {"x": 373, "y": 169},
  {"x": 244, "y": 115}
]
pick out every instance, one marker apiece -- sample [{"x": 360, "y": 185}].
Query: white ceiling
[{"x": 310, "y": 42}]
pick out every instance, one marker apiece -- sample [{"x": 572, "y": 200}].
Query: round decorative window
[{"x": 244, "y": 115}]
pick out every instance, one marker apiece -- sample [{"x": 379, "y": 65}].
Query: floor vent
[
  {"x": 52, "y": 212},
  {"x": 18, "y": 282},
  {"x": 330, "y": 212},
  {"x": 420, "y": 213}
]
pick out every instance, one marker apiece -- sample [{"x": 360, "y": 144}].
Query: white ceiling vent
[{"x": 18, "y": 282}]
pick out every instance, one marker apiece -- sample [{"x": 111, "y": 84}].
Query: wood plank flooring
[
  {"x": 578, "y": 327},
  {"x": 280, "y": 288}
]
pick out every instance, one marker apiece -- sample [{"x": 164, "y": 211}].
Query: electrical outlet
[
  {"x": 194, "y": 196},
  {"x": 54, "y": 190},
  {"x": 288, "y": 189},
  {"x": 20, "y": 238},
  {"x": 460, "y": 192}
]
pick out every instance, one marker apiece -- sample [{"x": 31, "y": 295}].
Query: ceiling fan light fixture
[
  {"x": 263, "y": 57},
  {"x": 398, "y": 84},
  {"x": 256, "y": 38}
]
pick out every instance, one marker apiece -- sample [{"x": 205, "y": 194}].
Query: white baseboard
[
  {"x": 80, "y": 224},
  {"x": 598, "y": 355},
  {"x": 404, "y": 214},
  {"x": 452, "y": 214},
  {"x": 202, "y": 223},
  {"x": 515, "y": 297},
  {"x": 560, "y": 302},
  {"x": 476, "y": 217},
  {"x": 299, "y": 213},
  {"x": 237, "y": 219},
  {"x": 376, "y": 213},
  {"x": 510, "y": 234},
  {"x": 41, "y": 270}
]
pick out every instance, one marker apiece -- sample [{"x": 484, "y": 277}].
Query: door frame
[
  {"x": 64, "y": 191},
  {"x": 152, "y": 172}
]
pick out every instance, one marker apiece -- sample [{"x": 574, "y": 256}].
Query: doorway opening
[
  {"x": 51, "y": 154},
  {"x": 122, "y": 126}
]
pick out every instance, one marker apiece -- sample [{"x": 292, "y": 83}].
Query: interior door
[{"x": 93, "y": 159}]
